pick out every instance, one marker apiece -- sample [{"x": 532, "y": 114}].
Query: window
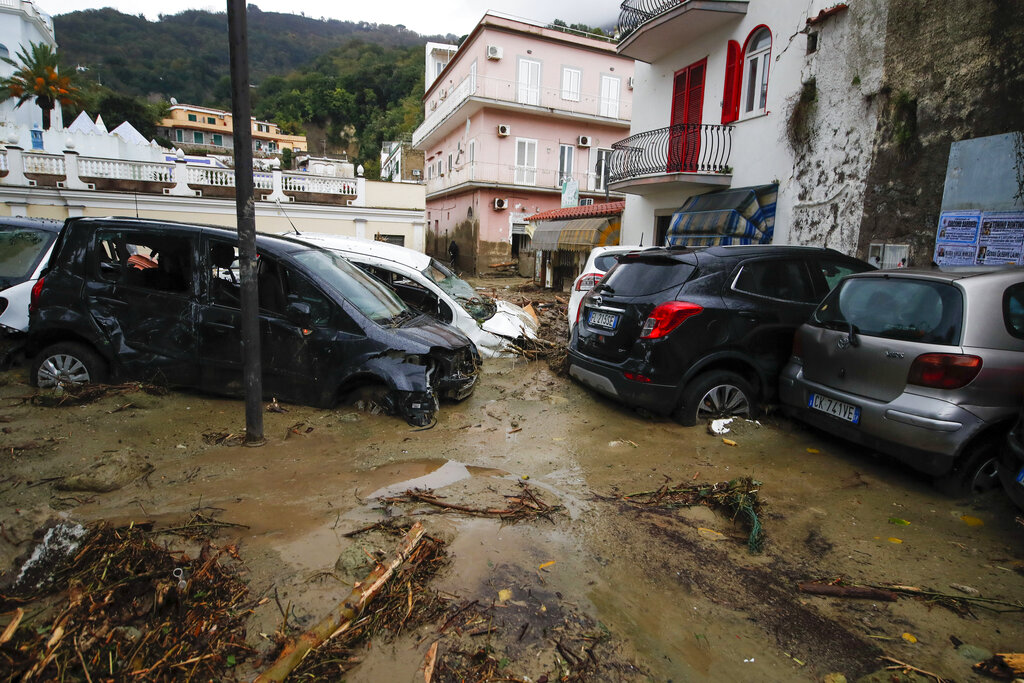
[
  {"x": 149, "y": 261},
  {"x": 755, "y": 72},
  {"x": 602, "y": 169},
  {"x": 571, "y": 84},
  {"x": 888, "y": 256},
  {"x": 565, "y": 158},
  {"x": 610, "y": 88},
  {"x": 733, "y": 79},
  {"x": 272, "y": 146},
  {"x": 471, "y": 155},
  {"x": 197, "y": 137},
  {"x": 210, "y": 120},
  {"x": 224, "y": 289},
  {"x": 526, "y": 162},
  {"x": 179, "y": 135},
  {"x": 1013, "y": 310},
  {"x": 786, "y": 280},
  {"x": 528, "y": 81},
  {"x": 4, "y": 52},
  {"x": 193, "y": 117},
  {"x": 449, "y": 162},
  {"x": 834, "y": 271},
  {"x": 218, "y": 139}
]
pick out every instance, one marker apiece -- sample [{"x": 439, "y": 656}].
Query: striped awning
[
  {"x": 580, "y": 234},
  {"x": 743, "y": 215}
]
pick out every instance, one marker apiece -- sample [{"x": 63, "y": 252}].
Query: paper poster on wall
[{"x": 968, "y": 238}]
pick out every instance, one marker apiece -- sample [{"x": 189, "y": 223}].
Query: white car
[
  {"x": 25, "y": 246},
  {"x": 428, "y": 285},
  {"x": 599, "y": 262}
]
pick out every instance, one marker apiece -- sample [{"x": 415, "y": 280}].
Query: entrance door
[{"x": 687, "y": 103}]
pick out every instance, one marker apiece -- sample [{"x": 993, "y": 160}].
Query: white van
[{"x": 428, "y": 285}]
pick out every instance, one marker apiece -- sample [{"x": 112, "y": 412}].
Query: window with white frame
[
  {"x": 611, "y": 86},
  {"x": 601, "y": 169},
  {"x": 755, "y": 73},
  {"x": 886, "y": 256},
  {"x": 526, "y": 162},
  {"x": 565, "y": 161},
  {"x": 528, "y": 79},
  {"x": 571, "y": 83}
]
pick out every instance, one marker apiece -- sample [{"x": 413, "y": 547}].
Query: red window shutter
[{"x": 733, "y": 79}]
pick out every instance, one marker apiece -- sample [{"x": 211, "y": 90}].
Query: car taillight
[
  {"x": 636, "y": 377},
  {"x": 585, "y": 283},
  {"x": 943, "y": 370},
  {"x": 798, "y": 346},
  {"x": 667, "y": 317},
  {"x": 34, "y": 299}
]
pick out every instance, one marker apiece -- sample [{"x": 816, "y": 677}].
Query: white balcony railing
[
  {"x": 506, "y": 91},
  {"x": 125, "y": 170},
  {"x": 47, "y": 164},
  {"x": 300, "y": 182},
  {"x": 510, "y": 174}
]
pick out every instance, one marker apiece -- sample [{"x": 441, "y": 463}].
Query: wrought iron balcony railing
[
  {"x": 682, "y": 148},
  {"x": 633, "y": 13}
]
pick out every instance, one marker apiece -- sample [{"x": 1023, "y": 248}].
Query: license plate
[
  {"x": 606, "y": 320},
  {"x": 1020, "y": 476},
  {"x": 840, "y": 409}
]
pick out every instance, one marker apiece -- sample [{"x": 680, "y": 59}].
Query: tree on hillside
[
  {"x": 36, "y": 77},
  {"x": 115, "y": 108}
]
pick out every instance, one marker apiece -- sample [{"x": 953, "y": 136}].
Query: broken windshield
[
  {"x": 476, "y": 304},
  {"x": 373, "y": 299}
]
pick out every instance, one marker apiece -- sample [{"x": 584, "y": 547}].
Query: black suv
[{"x": 700, "y": 333}]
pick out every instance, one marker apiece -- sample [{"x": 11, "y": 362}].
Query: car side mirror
[{"x": 299, "y": 312}]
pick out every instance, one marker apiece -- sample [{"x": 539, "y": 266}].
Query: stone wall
[{"x": 952, "y": 71}]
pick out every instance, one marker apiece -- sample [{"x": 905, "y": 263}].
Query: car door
[
  {"x": 770, "y": 299},
  {"x": 142, "y": 294}
]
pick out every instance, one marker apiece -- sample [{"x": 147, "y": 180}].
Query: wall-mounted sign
[{"x": 976, "y": 238}]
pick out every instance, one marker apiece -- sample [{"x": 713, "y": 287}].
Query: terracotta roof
[{"x": 588, "y": 211}]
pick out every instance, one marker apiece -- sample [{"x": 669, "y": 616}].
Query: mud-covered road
[{"x": 677, "y": 589}]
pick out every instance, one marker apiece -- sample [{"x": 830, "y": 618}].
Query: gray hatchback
[{"x": 924, "y": 366}]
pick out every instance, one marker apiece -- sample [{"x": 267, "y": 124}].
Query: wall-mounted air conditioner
[
  {"x": 416, "y": 173},
  {"x": 503, "y": 130},
  {"x": 583, "y": 141},
  {"x": 630, "y": 82},
  {"x": 586, "y": 201},
  {"x": 500, "y": 203},
  {"x": 494, "y": 52}
]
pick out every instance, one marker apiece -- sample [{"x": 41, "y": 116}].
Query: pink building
[{"x": 516, "y": 111}]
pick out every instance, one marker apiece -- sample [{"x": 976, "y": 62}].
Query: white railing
[
  {"x": 263, "y": 181},
  {"x": 299, "y": 182},
  {"x": 118, "y": 169},
  {"x": 47, "y": 164},
  {"x": 3, "y": 161},
  {"x": 510, "y": 174},
  {"x": 218, "y": 177}
]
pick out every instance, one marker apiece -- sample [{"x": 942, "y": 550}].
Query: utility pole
[{"x": 245, "y": 210}]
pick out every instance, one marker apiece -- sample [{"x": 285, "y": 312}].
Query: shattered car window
[
  {"x": 370, "y": 296},
  {"x": 159, "y": 262},
  {"x": 20, "y": 251},
  {"x": 476, "y": 304}
]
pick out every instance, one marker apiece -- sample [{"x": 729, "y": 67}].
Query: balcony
[
  {"x": 653, "y": 28},
  {"x": 691, "y": 155},
  {"x": 482, "y": 174},
  {"x": 476, "y": 92}
]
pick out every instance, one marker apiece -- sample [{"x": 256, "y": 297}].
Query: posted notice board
[{"x": 980, "y": 238}]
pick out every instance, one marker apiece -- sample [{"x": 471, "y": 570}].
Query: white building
[
  {"x": 726, "y": 95},
  {"x": 23, "y": 23}
]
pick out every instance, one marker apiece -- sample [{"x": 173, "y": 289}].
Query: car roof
[
  {"x": 978, "y": 274},
  {"x": 47, "y": 224},
  {"x": 357, "y": 245}
]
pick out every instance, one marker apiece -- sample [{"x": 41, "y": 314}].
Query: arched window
[
  {"x": 757, "y": 55},
  {"x": 4, "y": 52}
]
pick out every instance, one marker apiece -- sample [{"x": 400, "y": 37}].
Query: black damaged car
[{"x": 130, "y": 299}]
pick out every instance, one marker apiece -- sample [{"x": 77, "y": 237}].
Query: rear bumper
[
  {"x": 607, "y": 379},
  {"x": 924, "y": 432}
]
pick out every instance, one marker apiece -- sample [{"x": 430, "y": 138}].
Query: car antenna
[{"x": 287, "y": 216}]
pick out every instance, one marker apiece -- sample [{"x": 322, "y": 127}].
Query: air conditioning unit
[
  {"x": 629, "y": 82},
  {"x": 503, "y": 130},
  {"x": 586, "y": 201},
  {"x": 494, "y": 52},
  {"x": 583, "y": 141},
  {"x": 500, "y": 203},
  {"x": 416, "y": 173}
]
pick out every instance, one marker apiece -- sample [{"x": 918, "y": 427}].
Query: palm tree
[{"x": 36, "y": 76}]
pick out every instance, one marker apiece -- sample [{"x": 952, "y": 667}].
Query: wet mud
[{"x": 655, "y": 594}]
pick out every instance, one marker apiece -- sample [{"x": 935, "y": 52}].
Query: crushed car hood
[
  {"x": 426, "y": 331},
  {"x": 511, "y": 321}
]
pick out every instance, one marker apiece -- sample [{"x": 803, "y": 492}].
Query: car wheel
[
  {"x": 976, "y": 471},
  {"x": 715, "y": 395},
  {"x": 67, "y": 364}
]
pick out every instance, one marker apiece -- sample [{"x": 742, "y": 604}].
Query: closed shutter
[{"x": 731, "y": 96}]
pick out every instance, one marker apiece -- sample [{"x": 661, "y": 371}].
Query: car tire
[
  {"x": 67, "y": 364},
  {"x": 714, "y": 395},
  {"x": 975, "y": 471}
]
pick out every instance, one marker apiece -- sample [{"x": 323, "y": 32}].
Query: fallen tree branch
[
  {"x": 841, "y": 591},
  {"x": 342, "y": 616},
  {"x": 903, "y": 666}
]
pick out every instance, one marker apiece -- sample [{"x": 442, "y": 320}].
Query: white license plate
[
  {"x": 840, "y": 409},
  {"x": 606, "y": 320}
]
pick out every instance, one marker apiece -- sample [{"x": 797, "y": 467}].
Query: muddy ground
[{"x": 678, "y": 590}]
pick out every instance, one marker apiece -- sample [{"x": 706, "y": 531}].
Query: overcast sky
[{"x": 449, "y": 16}]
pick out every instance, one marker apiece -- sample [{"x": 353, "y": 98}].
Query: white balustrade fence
[
  {"x": 117, "y": 169},
  {"x": 48, "y": 164},
  {"x": 299, "y": 182}
]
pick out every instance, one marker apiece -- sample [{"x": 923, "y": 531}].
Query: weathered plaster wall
[
  {"x": 953, "y": 71},
  {"x": 830, "y": 130}
]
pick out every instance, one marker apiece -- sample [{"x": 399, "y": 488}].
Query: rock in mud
[{"x": 108, "y": 474}]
